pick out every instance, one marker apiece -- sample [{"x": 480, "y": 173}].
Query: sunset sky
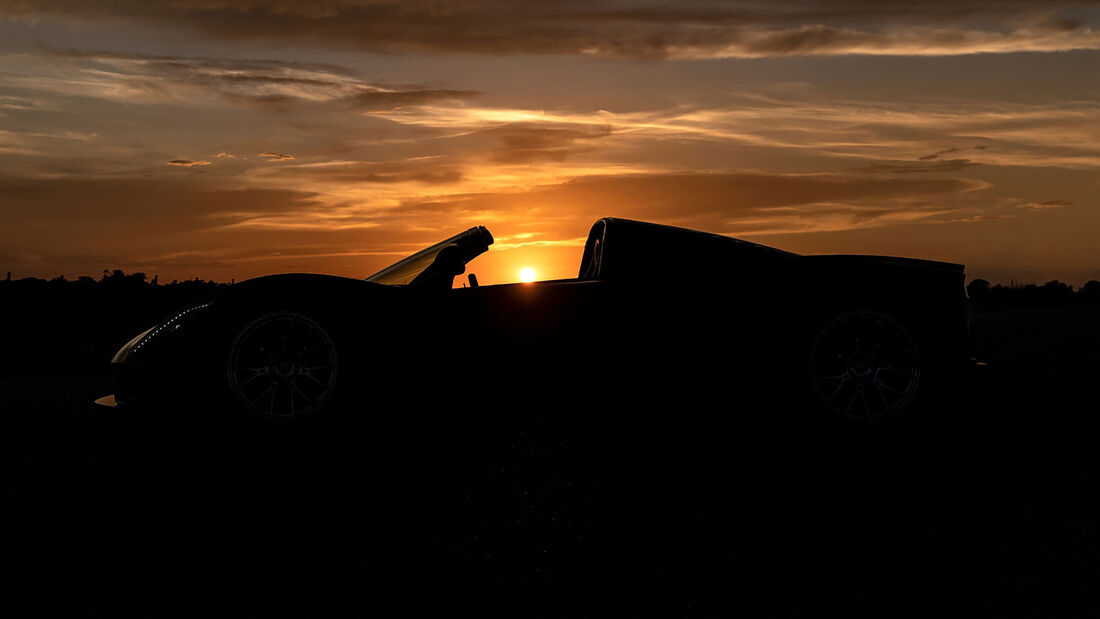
[{"x": 233, "y": 138}]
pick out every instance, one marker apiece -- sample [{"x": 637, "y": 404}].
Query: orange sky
[{"x": 233, "y": 138}]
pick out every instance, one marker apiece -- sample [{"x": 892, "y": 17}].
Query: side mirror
[{"x": 473, "y": 280}]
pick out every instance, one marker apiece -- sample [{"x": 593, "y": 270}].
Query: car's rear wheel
[
  {"x": 282, "y": 366},
  {"x": 865, "y": 366}
]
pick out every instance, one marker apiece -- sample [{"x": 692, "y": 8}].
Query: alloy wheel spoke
[
  {"x": 250, "y": 379},
  {"x": 885, "y": 405},
  {"x": 270, "y": 388},
  {"x": 848, "y": 409},
  {"x": 883, "y": 385},
  {"x": 837, "y": 390},
  {"x": 313, "y": 368},
  {"x": 303, "y": 395},
  {"x": 271, "y": 401},
  {"x": 316, "y": 380}
]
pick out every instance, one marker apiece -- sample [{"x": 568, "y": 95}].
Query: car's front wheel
[
  {"x": 282, "y": 366},
  {"x": 866, "y": 366}
]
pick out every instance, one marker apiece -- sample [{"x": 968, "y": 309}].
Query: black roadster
[{"x": 657, "y": 318}]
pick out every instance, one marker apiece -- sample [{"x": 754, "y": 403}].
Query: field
[{"x": 660, "y": 512}]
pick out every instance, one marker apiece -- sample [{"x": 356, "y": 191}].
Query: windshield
[{"x": 473, "y": 241}]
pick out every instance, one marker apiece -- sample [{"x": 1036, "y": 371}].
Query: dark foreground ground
[{"x": 647, "y": 512}]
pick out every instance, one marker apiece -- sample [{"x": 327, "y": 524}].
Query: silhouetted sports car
[{"x": 658, "y": 318}]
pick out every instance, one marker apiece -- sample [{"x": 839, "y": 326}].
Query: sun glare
[{"x": 527, "y": 274}]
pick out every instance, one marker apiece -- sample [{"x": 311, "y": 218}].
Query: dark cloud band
[{"x": 684, "y": 28}]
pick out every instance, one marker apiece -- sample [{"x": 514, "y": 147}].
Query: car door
[{"x": 537, "y": 335}]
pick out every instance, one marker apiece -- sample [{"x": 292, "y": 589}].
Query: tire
[
  {"x": 282, "y": 366},
  {"x": 865, "y": 366}
]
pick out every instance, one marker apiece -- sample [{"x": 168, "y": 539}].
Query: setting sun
[{"x": 527, "y": 274}]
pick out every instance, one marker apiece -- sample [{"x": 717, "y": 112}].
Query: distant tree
[
  {"x": 1057, "y": 285},
  {"x": 978, "y": 289},
  {"x": 1055, "y": 292},
  {"x": 1090, "y": 292}
]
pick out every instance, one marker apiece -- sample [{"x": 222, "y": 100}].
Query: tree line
[
  {"x": 112, "y": 284},
  {"x": 983, "y": 295},
  {"x": 116, "y": 279},
  {"x": 122, "y": 287}
]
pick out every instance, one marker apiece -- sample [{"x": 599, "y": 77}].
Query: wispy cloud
[
  {"x": 13, "y": 103},
  {"x": 527, "y": 142},
  {"x": 939, "y": 153},
  {"x": 821, "y": 40},
  {"x": 1060, "y": 133},
  {"x": 731, "y": 201},
  {"x": 36, "y": 143},
  {"x": 187, "y": 163},
  {"x": 379, "y": 99},
  {"x": 418, "y": 170},
  {"x": 268, "y": 84},
  {"x": 1048, "y": 204}
]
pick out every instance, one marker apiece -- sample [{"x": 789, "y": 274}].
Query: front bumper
[
  {"x": 161, "y": 384},
  {"x": 135, "y": 382}
]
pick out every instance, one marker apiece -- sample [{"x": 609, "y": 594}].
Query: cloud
[
  {"x": 164, "y": 204},
  {"x": 187, "y": 163},
  {"x": 20, "y": 104},
  {"x": 37, "y": 143},
  {"x": 1054, "y": 133},
  {"x": 976, "y": 219},
  {"x": 227, "y": 68},
  {"x": 680, "y": 29},
  {"x": 1048, "y": 204},
  {"x": 275, "y": 85},
  {"x": 822, "y": 40},
  {"x": 378, "y": 99},
  {"x": 66, "y": 225},
  {"x": 937, "y": 154},
  {"x": 181, "y": 228},
  {"x": 725, "y": 202},
  {"x": 421, "y": 170},
  {"x": 277, "y": 156},
  {"x": 533, "y": 142},
  {"x": 911, "y": 167}
]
